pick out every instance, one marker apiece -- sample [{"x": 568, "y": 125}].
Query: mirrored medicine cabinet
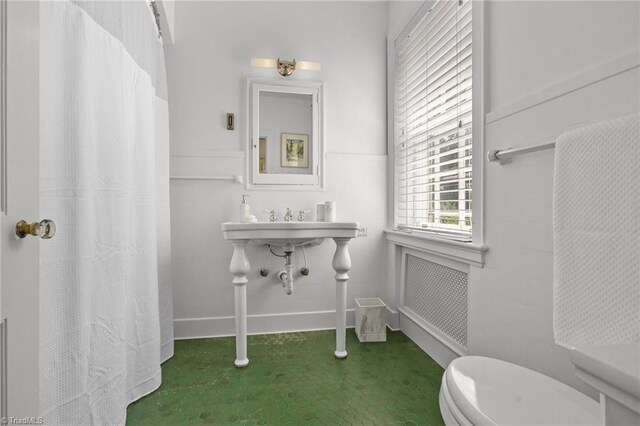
[{"x": 285, "y": 149}]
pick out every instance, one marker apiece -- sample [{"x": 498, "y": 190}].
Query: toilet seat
[
  {"x": 478, "y": 390},
  {"x": 450, "y": 413}
]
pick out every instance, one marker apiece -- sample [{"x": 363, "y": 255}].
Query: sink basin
[{"x": 288, "y": 234}]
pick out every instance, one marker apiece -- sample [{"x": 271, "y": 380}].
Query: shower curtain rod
[
  {"x": 156, "y": 15},
  {"x": 505, "y": 155}
]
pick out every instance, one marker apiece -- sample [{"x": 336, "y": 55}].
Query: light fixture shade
[
  {"x": 309, "y": 66},
  {"x": 263, "y": 63},
  {"x": 285, "y": 67}
]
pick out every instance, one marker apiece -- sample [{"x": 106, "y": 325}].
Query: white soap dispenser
[{"x": 245, "y": 214}]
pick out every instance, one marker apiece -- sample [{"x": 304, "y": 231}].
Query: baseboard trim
[
  {"x": 200, "y": 328},
  {"x": 195, "y": 328},
  {"x": 392, "y": 317},
  {"x": 437, "y": 350}
]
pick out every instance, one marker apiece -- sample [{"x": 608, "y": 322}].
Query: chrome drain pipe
[{"x": 286, "y": 275}]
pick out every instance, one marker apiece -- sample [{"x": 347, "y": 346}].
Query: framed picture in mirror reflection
[{"x": 294, "y": 150}]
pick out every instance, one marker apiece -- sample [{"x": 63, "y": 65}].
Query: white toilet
[{"x": 484, "y": 391}]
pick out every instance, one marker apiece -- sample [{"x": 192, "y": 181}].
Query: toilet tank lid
[
  {"x": 615, "y": 368},
  {"x": 490, "y": 391}
]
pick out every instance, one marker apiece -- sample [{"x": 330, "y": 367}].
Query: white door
[{"x": 19, "y": 260}]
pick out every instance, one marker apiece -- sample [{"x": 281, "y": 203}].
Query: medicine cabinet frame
[{"x": 283, "y": 181}]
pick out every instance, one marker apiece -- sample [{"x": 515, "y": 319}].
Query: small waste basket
[{"x": 370, "y": 323}]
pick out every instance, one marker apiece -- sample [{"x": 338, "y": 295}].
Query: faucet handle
[
  {"x": 301, "y": 214},
  {"x": 274, "y": 215},
  {"x": 288, "y": 216}
]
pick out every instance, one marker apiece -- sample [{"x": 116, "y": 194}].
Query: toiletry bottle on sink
[{"x": 245, "y": 213}]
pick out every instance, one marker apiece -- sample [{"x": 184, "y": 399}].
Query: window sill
[{"x": 469, "y": 253}]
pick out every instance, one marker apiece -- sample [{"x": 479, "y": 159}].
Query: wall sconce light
[{"x": 285, "y": 67}]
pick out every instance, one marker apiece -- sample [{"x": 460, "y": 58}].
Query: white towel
[{"x": 596, "y": 229}]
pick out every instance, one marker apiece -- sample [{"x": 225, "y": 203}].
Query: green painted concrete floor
[{"x": 294, "y": 379}]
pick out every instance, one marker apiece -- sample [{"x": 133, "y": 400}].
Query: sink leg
[
  {"x": 341, "y": 264},
  {"x": 239, "y": 267}
]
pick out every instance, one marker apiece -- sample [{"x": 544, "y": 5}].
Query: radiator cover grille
[{"x": 438, "y": 294}]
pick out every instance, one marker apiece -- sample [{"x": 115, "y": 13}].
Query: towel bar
[{"x": 504, "y": 155}]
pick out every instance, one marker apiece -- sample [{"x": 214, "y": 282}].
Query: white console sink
[{"x": 288, "y": 234}]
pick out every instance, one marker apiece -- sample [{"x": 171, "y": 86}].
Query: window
[{"x": 433, "y": 122}]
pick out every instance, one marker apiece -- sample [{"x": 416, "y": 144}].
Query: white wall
[
  {"x": 207, "y": 69},
  {"x": 550, "y": 66},
  {"x": 400, "y": 13},
  {"x": 544, "y": 77}
]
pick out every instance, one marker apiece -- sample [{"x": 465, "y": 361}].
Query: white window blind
[{"x": 433, "y": 173}]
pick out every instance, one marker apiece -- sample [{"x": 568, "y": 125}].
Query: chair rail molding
[{"x": 622, "y": 63}]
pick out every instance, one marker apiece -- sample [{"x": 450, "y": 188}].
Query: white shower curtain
[{"x": 105, "y": 304}]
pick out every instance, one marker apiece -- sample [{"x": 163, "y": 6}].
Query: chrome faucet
[
  {"x": 288, "y": 216},
  {"x": 273, "y": 216}
]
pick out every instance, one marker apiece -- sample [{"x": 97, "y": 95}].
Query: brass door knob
[{"x": 45, "y": 229}]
